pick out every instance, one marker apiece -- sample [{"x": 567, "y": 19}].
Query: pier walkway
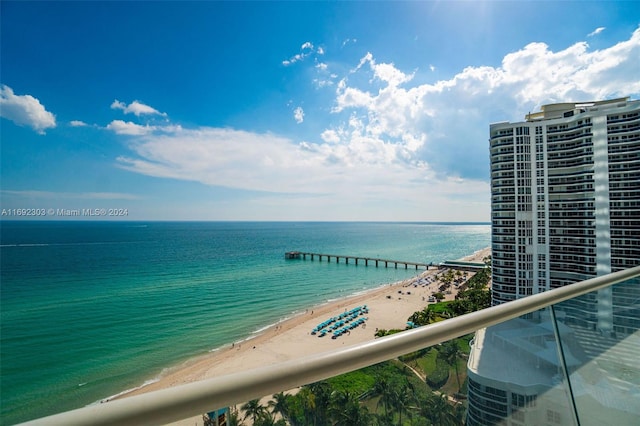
[{"x": 363, "y": 260}]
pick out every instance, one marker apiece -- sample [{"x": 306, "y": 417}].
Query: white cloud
[
  {"x": 263, "y": 162},
  {"x": 77, "y": 123},
  {"x": 330, "y": 136},
  {"x": 537, "y": 74},
  {"x": 596, "y": 31},
  {"x": 414, "y": 151},
  {"x": 298, "y": 115},
  {"x": 350, "y": 172},
  {"x": 128, "y": 128},
  {"x": 121, "y": 127},
  {"x": 350, "y": 97},
  {"x": 306, "y": 49},
  {"x": 348, "y": 41},
  {"x": 25, "y": 110},
  {"x": 136, "y": 108},
  {"x": 368, "y": 58},
  {"x": 390, "y": 74},
  {"x": 445, "y": 124},
  {"x": 324, "y": 78}
]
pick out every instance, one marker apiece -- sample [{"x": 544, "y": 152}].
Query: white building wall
[{"x": 590, "y": 238}]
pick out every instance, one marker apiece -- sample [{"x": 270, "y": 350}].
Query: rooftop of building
[{"x": 569, "y": 109}]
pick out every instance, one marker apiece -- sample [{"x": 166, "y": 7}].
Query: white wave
[
  {"x": 265, "y": 328},
  {"x": 124, "y": 392}
]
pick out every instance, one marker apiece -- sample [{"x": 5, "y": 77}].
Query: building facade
[
  {"x": 565, "y": 206},
  {"x": 565, "y": 188}
]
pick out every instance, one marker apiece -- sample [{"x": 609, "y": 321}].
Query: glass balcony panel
[
  {"x": 601, "y": 353},
  {"x": 516, "y": 364}
]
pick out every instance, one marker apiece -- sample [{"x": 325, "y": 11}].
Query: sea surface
[{"x": 92, "y": 309}]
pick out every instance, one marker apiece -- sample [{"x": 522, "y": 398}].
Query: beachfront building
[{"x": 565, "y": 188}]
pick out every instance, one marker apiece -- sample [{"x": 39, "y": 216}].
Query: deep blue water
[{"x": 90, "y": 309}]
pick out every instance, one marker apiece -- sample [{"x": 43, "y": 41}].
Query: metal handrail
[{"x": 180, "y": 402}]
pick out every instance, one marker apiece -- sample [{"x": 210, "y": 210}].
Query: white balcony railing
[{"x": 180, "y": 402}]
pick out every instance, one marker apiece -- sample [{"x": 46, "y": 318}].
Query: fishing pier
[{"x": 356, "y": 259}]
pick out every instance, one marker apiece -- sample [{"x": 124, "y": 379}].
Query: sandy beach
[{"x": 389, "y": 307}]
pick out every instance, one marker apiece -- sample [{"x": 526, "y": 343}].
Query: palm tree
[
  {"x": 459, "y": 412},
  {"x": 322, "y": 392},
  {"x": 280, "y": 404},
  {"x": 401, "y": 398},
  {"x": 308, "y": 401},
  {"x": 357, "y": 415},
  {"x": 253, "y": 409},
  {"x": 423, "y": 317},
  {"x": 383, "y": 389},
  {"x": 450, "y": 352},
  {"x": 347, "y": 411},
  {"x": 441, "y": 412},
  {"x": 234, "y": 418},
  {"x": 267, "y": 419},
  {"x": 436, "y": 410}
]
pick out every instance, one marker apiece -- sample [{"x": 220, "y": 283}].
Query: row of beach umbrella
[
  {"x": 339, "y": 323},
  {"x": 346, "y": 329}
]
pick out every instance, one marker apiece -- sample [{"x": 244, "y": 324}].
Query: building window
[{"x": 553, "y": 416}]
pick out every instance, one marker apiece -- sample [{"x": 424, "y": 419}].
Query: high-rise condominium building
[
  {"x": 565, "y": 196},
  {"x": 565, "y": 207}
]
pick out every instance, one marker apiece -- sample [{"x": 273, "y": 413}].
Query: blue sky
[{"x": 288, "y": 110}]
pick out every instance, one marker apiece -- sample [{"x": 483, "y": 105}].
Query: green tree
[
  {"x": 322, "y": 395},
  {"x": 401, "y": 400},
  {"x": 383, "y": 389},
  {"x": 438, "y": 411},
  {"x": 347, "y": 411},
  {"x": 423, "y": 317},
  {"x": 308, "y": 402},
  {"x": 382, "y": 332},
  {"x": 266, "y": 419},
  {"x": 253, "y": 409},
  {"x": 280, "y": 404},
  {"x": 450, "y": 352},
  {"x": 234, "y": 417}
]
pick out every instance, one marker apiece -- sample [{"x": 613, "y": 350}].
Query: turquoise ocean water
[{"x": 91, "y": 309}]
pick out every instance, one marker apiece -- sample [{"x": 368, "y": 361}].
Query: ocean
[{"x": 92, "y": 309}]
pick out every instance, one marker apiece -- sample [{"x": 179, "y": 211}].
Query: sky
[{"x": 286, "y": 111}]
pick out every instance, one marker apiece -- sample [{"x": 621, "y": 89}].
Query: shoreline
[{"x": 389, "y": 307}]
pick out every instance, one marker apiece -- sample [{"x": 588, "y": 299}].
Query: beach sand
[{"x": 389, "y": 307}]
